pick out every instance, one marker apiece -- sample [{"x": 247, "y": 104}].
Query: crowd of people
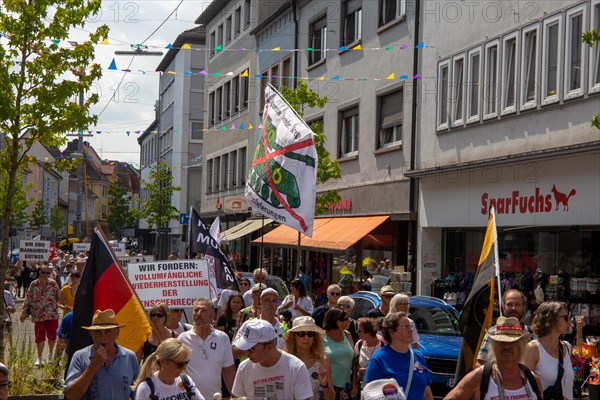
[{"x": 254, "y": 344}]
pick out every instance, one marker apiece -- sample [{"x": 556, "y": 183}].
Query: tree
[
  {"x": 592, "y": 38},
  {"x": 157, "y": 209},
  {"x": 38, "y": 216},
  {"x": 119, "y": 213},
  {"x": 300, "y": 99},
  {"x": 40, "y": 78},
  {"x": 18, "y": 214},
  {"x": 56, "y": 219}
]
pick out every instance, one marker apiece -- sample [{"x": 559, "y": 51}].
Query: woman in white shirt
[
  {"x": 298, "y": 302},
  {"x": 550, "y": 321},
  {"x": 164, "y": 369}
]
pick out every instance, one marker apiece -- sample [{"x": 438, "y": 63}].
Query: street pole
[{"x": 79, "y": 178}]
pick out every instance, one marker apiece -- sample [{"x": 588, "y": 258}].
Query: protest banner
[
  {"x": 177, "y": 283},
  {"x": 34, "y": 250},
  {"x": 80, "y": 247}
]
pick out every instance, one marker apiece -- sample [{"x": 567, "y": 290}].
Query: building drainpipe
[
  {"x": 414, "y": 184},
  {"x": 294, "y": 4}
]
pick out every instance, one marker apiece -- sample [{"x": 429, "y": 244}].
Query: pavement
[{"x": 25, "y": 329}]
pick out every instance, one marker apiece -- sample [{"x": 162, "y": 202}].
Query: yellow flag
[
  {"x": 245, "y": 73},
  {"x": 104, "y": 41},
  {"x": 186, "y": 46},
  {"x": 321, "y": 78},
  {"x": 357, "y": 47},
  {"x": 391, "y": 77}
]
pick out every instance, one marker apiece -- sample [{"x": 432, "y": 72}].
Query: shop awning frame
[
  {"x": 336, "y": 233},
  {"x": 244, "y": 228}
]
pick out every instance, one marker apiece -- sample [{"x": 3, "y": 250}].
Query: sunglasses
[
  {"x": 244, "y": 284},
  {"x": 335, "y": 294},
  {"x": 156, "y": 315},
  {"x": 309, "y": 334},
  {"x": 343, "y": 305},
  {"x": 180, "y": 364},
  {"x": 45, "y": 272}
]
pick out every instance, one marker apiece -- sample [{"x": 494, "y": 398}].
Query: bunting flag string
[{"x": 219, "y": 48}]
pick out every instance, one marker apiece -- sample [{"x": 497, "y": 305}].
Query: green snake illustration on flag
[{"x": 282, "y": 179}]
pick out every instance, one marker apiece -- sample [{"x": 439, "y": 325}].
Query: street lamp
[{"x": 138, "y": 50}]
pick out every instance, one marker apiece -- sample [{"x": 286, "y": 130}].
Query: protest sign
[
  {"x": 177, "y": 283},
  {"x": 34, "y": 250}
]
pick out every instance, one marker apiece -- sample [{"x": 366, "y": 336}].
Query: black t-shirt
[
  {"x": 319, "y": 314},
  {"x": 229, "y": 325}
]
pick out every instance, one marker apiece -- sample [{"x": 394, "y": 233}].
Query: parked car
[
  {"x": 274, "y": 282},
  {"x": 438, "y": 325},
  {"x": 378, "y": 281}
]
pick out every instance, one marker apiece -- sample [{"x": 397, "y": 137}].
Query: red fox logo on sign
[{"x": 561, "y": 198}]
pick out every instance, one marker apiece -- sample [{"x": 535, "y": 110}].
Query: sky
[{"x": 132, "y": 106}]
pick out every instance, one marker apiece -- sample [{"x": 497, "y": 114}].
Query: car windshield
[{"x": 435, "y": 320}]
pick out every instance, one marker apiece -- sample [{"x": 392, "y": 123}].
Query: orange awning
[{"x": 338, "y": 233}]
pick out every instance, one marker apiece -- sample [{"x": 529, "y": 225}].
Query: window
[
  {"x": 473, "y": 85},
  {"x": 216, "y": 173},
  {"x": 228, "y": 30},
  {"x": 390, "y": 119},
  {"x": 458, "y": 83},
  {"x": 574, "y": 52},
  {"x": 595, "y": 51},
  {"x": 349, "y": 132},
  {"x": 247, "y": 15},
  {"x": 227, "y": 99},
  {"x": 275, "y": 75},
  {"x": 237, "y": 22},
  {"x": 443, "y": 95},
  {"x": 213, "y": 43},
  {"x": 196, "y": 133},
  {"x": 490, "y": 92},
  {"x": 167, "y": 97},
  {"x": 211, "y": 108},
  {"x": 317, "y": 41},
  {"x": 224, "y": 172},
  {"x": 551, "y": 67},
  {"x": 509, "y": 73},
  {"x": 235, "y": 94},
  {"x": 220, "y": 35},
  {"x": 233, "y": 169},
  {"x": 286, "y": 72},
  {"x": 352, "y": 22},
  {"x": 244, "y": 90},
  {"x": 390, "y": 10},
  {"x": 219, "y": 104},
  {"x": 529, "y": 70},
  {"x": 242, "y": 164}
]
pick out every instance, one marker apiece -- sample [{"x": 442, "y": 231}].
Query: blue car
[{"x": 440, "y": 338}]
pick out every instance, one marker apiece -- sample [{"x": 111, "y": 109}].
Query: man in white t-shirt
[
  {"x": 268, "y": 372},
  {"x": 211, "y": 354}
]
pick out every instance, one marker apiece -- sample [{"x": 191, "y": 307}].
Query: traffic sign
[{"x": 184, "y": 218}]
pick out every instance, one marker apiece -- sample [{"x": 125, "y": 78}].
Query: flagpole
[
  {"x": 299, "y": 255},
  {"x": 98, "y": 229},
  {"x": 497, "y": 260}
]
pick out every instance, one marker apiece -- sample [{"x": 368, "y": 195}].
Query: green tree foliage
[
  {"x": 300, "y": 99},
  {"x": 592, "y": 38},
  {"x": 38, "y": 216},
  {"x": 18, "y": 213},
  {"x": 40, "y": 79},
  {"x": 157, "y": 209},
  {"x": 119, "y": 213},
  {"x": 56, "y": 219}
]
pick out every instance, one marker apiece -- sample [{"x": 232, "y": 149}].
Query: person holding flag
[{"x": 476, "y": 317}]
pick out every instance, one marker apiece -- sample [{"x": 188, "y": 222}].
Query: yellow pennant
[
  {"x": 357, "y": 47},
  {"x": 186, "y": 46},
  {"x": 391, "y": 77},
  {"x": 245, "y": 73}
]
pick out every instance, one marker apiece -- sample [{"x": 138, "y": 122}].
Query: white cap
[
  {"x": 4, "y": 368},
  {"x": 269, "y": 291},
  {"x": 253, "y": 332}
]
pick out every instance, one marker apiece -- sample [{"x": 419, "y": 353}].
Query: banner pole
[{"x": 497, "y": 261}]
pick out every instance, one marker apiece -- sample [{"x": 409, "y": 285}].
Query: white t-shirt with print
[
  {"x": 166, "y": 392},
  {"x": 286, "y": 380}
]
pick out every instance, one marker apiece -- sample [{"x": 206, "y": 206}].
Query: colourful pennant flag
[
  {"x": 245, "y": 73},
  {"x": 113, "y": 65},
  {"x": 104, "y": 41},
  {"x": 357, "y": 47},
  {"x": 186, "y": 47},
  {"x": 391, "y": 77}
]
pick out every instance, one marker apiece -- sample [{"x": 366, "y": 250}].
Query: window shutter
[{"x": 391, "y": 109}]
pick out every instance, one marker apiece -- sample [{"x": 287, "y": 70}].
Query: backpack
[
  {"x": 184, "y": 379},
  {"x": 487, "y": 372}
]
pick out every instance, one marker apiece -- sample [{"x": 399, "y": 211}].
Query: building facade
[
  {"x": 504, "y": 122},
  {"x": 176, "y": 137}
]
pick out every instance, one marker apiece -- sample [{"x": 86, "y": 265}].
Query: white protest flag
[
  {"x": 282, "y": 179},
  {"x": 215, "y": 230}
]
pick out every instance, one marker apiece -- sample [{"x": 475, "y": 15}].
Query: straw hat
[
  {"x": 507, "y": 330},
  {"x": 103, "y": 320},
  {"x": 306, "y": 324}
]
